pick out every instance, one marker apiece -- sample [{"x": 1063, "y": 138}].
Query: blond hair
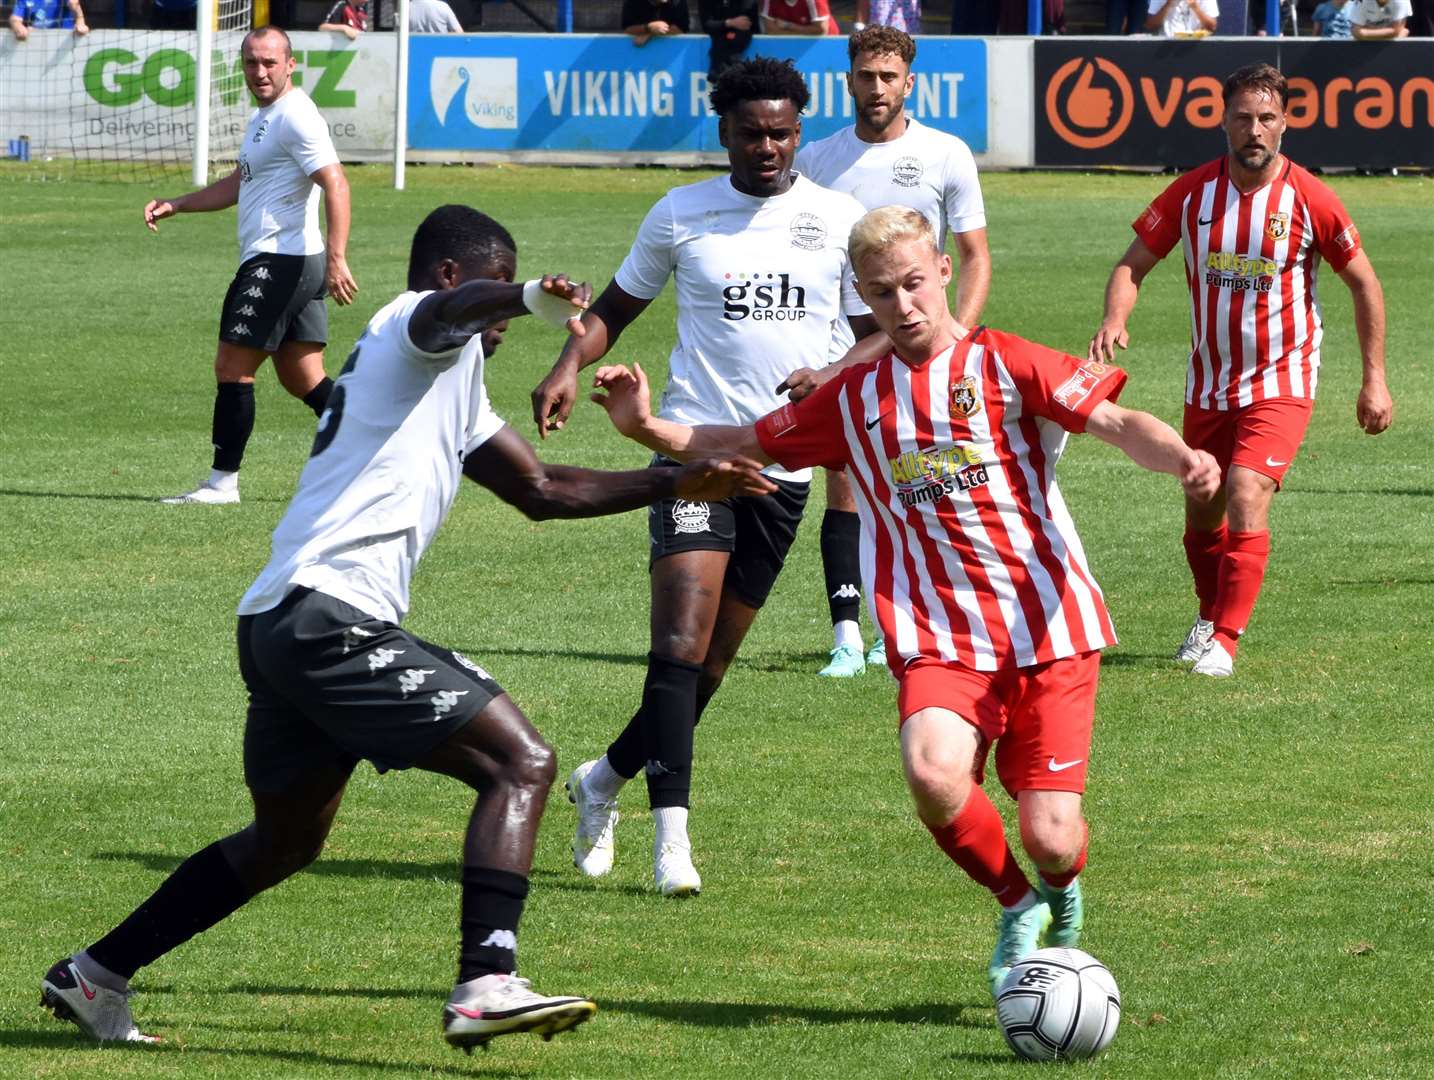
[{"x": 885, "y": 226}]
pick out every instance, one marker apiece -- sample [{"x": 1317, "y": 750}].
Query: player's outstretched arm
[
  {"x": 1375, "y": 408},
  {"x": 337, "y": 215},
  {"x": 447, "y": 318},
  {"x": 507, "y": 466},
  {"x": 1120, "y": 294},
  {"x": 1153, "y": 444},
  {"x": 220, "y": 195},
  {"x": 805, "y": 380},
  {"x": 554, "y": 397},
  {"x": 624, "y": 395}
]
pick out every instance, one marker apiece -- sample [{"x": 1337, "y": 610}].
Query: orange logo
[{"x": 1087, "y": 106}]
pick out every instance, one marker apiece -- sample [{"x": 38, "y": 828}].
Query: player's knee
[
  {"x": 681, "y": 643},
  {"x": 1053, "y": 840},
  {"x": 939, "y": 784},
  {"x": 534, "y": 767}
]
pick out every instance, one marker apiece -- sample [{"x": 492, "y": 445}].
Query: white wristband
[{"x": 546, "y": 306}]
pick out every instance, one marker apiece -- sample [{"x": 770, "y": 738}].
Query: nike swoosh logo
[
  {"x": 1204, "y": 221},
  {"x": 1272, "y": 463},
  {"x": 1062, "y": 766},
  {"x": 84, "y": 986},
  {"x": 472, "y": 1014},
  {"x": 872, "y": 423}
]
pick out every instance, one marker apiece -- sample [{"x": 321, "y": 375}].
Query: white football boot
[
  {"x": 674, "y": 873},
  {"x": 205, "y": 495},
  {"x": 484, "y": 1008},
  {"x": 597, "y": 817},
  {"x": 1195, "y": 641},
  {"x": 1215, "y": 662},
  {"x": 99, "y": 1012}
]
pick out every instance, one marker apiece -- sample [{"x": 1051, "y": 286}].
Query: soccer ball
[{"x": 1058, "y": 1003}]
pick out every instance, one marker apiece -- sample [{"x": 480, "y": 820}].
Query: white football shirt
[
  {"x": 763, "y": 284},
  {"x": 387, "y": 464},
  {"x": 1373, "y": 14},
  {"x": 926, "y": 169},
  {"x": 284, "y": 144}
]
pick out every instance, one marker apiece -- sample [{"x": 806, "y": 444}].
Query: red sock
[
  {"x": 1203, "y": 551},
  {"x": 1242, "y": 572},
  {"x": 1065, "y": 877},
  {"x": 976, "y": 841}
]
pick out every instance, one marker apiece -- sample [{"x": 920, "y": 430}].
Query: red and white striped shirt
[
  {"x": 1250, "y": 262},
  {"x": 968, "y": 553}
]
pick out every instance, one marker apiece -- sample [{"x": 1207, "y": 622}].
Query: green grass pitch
[{"x": 1260, "y": 874}]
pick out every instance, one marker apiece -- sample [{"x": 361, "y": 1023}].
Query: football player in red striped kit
[
  {"x": 971, "y": 563},
  {"x": 1253, "y": 226}
]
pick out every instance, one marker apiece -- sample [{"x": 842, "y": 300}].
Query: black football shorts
[
  {"x": 330, "y": 685},
  {"x": 758, "y": 530},
  {"x": 274, "y": 299}
]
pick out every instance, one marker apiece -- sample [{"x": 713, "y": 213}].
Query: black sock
[
  {"x": 488, "y": 925},
  {"x": 233, "y": 423},
  {"x": 705, "y": 692},
  {"x": 625, "y": 754},
  {"x": 318, "y": 397},
  {"x": 841, "y": 563},
  {"x": 669, "y": 714},
  {"x": 203, "y": 890}
]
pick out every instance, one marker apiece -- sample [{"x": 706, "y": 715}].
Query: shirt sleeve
[
  {"x": 450, "y": 21},
  {"x": 336, "y": 13},
  {"x": 485, "y": 425},
  {"x": 306, "y": 137},
  {"x": 809, "y": 432},
  {"x": 1335, "y": 236},
  {"x": 1159, "y": 225},
  {"x": 851, "y": 301},
  {"x": 965, "y": 209},
  {"x": 653, "y": 256},
  {"x": 1054, "y": 384}
]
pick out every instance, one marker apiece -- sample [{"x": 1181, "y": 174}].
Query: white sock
[
  {"x": 1025, "y": 902},
  {"x": 603, "y": 780},
  {"x": 98, "y": 974},
  {"x": 223, "y": 481},
  {"x": 671, "y": 826},
  {"x": 848, "y": 633}
]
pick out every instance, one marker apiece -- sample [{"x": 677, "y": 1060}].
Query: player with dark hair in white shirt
[
  {"x": 888, "y": 158},
  {"x": 763, "y": 283},
  {"x": 333, "y": 677},
  {"x": 275, "y": 304}
]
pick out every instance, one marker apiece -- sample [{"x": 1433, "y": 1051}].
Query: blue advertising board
[{"x": 565, "y": 92}]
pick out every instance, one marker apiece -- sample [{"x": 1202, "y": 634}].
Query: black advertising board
[{"x": 1108, "y": 101}]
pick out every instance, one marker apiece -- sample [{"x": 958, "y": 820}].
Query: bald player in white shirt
[
  {"x": 888, "y": 158},
  {"x": 763, "y": 283},
  {"x": 275, "y": 304},
  {"x": 332, "y": 676}
]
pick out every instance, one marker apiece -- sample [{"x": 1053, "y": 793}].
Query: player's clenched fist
[{"x": 1200, "y": 476}]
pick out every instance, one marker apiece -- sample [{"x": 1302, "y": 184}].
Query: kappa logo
[
  {"x": 501, "y": 939},
  {"x": 691, "y": 517},
  {"x": 710, "y": 219},
  {"x": 657, "y": 768},
  {"x": 907, "y": 171},
  {"x": 412, "y": 679},
  {"x": 847, "y": 592},
  {"x": 471, "y": 666},
  {"x": 354, "y": 638},
  {"x": 1278, "y": 227},
  {"x": 262, "y": 273},
  {"x": 964, "y": 397},
  {"x": 254, "y": 292},
  {"x": 263, "y": 130},
  {"x": 444, "y": 700},
  {"x": 809, "y": 232},
  {"x": 247, "y": 310},
  {"x": 240, "y": 330},
  {"x": 380, "y": 658}
]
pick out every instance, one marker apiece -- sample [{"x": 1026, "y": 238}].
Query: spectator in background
[
  {"x": 1331, "y": 20},
  {"x": 348, "y": 17},
  {"x": 1379, "y": 20},
  {"x": 904, "y": 15},
  {"x": 172, "y": 15},
  {"x": 808, "y": 17},
  {"x": 643, "y": 20},
  {"x": 1182, "y": 18},
  {"x": 45, "y": 15},
  {"x": 730, "y": 24},
  {"x": 975, "y": 18},
  {"x": 1125, "y": 16},
  {"x": 432, "y": 17}
]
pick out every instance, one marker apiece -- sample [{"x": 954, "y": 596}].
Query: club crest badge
[
  {"x": 907, "y": 171},
  {"x": 809, "y": 232},
  {"x": 1278, "y": 226},
  {"x": 691, "y": 517},
  {"x": 964, "y": 398}
]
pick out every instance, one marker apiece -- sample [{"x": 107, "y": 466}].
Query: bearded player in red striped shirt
[
  {"x": 992, "y": 620},
  {"x": 1254, "y": 226}
]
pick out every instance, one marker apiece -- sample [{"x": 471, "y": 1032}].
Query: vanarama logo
[
  {"x": 927, "y": 476},
  {"x": 1086, "y": 115},
  {"x": 763, "y": 297}
]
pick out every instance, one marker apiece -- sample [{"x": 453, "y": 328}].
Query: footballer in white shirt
[
  {"x": 888, "y": 158},
  {"x": 332, "y": 676},
  {"x": 763, "y": 285},
  {"x": 275, "y": 304}
]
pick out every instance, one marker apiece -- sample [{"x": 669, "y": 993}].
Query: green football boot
[
  {"x": 1067, "y": 915},
  {"x": 1018, "y": 935}
]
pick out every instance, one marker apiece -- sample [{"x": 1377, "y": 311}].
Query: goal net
[{"x": 121, "y": 104}]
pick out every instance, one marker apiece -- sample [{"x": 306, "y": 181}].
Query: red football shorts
[
  {"x": 1263, "y": 437},
  {"x": 1039, "y": 717}
]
